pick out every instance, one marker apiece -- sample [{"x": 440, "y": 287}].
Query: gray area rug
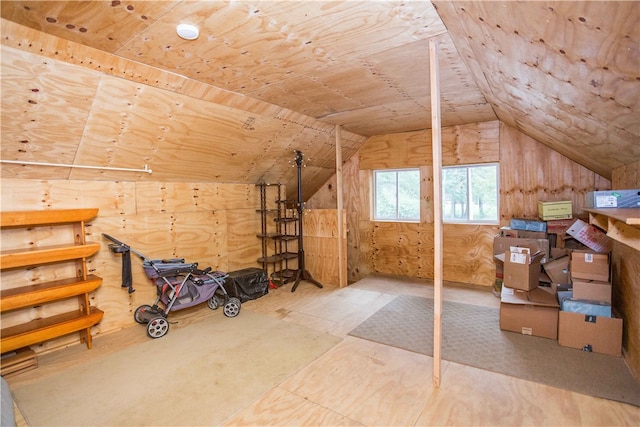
[{"x": 471, "y": 336}]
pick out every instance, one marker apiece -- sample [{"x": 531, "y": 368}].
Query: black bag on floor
[{"x": 247, "y": 284}]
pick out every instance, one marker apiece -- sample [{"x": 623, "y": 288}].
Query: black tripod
[{"x": 301, "y": 274}]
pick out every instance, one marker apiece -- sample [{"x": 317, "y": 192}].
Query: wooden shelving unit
[
  {"x": 24, "y": 297},
  {"x": 622, "y": 224}
]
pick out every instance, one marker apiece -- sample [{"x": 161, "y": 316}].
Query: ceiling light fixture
[{"x": 188, "y": 31}]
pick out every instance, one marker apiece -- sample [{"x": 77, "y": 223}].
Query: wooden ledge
[
  {"x": 50, "y": 217},
  {"x": 36, "y": 331},
  {"x": 16, "y": 258},
  {"x": 28, "y": 296}
]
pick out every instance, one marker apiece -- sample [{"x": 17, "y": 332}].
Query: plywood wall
[
  {"x": 625, "y": 276},
  {"x": 321, "y": 242},
  {"x": 215, "y": 225},
  {"x": 529, "y": 172}
]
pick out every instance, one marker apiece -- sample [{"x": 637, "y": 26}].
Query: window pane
[
  {"x": 397, "y": 195},
  {"x": 409, "y": 195},
  {"x": 385, "y": 194},
  {"x": 483, "y": 193},
  {"x": 470, "y": 193},
  {"x": 454, "y": 194}
]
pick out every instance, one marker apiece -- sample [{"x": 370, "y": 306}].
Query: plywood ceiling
[{"x": 273, "y": 76}]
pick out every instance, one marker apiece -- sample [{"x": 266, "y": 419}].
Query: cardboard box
[
  {"x": 589, "y": 265},
  {"x": 508, "y": 232},
  {"x": 590, "y": 236},
  {"x": 602, "y": 334},
  {"x": 527, "y": 224},
  {"x": 558, "y": 270},
  {"x": 532, "y": 312},
  {"x": 522, "y": 234},
  {"x": 522, "y": 268},
  {"x": 502, "y": 245},
  {"x": 559, "y": 226},
  {"x": 592, "y": 290},
  {"x": 591, "y": 308},
  {"x": 614, "y": 199},
  {"x": 555, "y": 210}
]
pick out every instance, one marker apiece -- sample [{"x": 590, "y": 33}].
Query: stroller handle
[{"x": 124, "y": 246}]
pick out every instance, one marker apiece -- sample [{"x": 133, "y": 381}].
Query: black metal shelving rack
[{"x": 279, "y": 234}]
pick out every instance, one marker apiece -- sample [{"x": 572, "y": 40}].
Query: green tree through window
[
  {"x": 397, "y": 195},
  {"x": 470, "y": 193}
]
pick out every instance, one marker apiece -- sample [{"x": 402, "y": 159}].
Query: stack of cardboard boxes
[
  {"x": 586, "y": 319},
  {"x": 554, "y": 289}
]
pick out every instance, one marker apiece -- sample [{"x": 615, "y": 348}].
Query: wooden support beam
[
  {"x": 436, "y": 137},
  {"x": 342, "y": 270}
]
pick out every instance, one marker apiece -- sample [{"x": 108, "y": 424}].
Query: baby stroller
[{"x": 178, "y": 285}]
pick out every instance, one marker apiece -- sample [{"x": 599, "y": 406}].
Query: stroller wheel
[
  {"x": 232, "y": 307},
  {"x": 213, "y": 303},
  {"x": 157, "y": 327},
  {"x": 139, "y": 314}
]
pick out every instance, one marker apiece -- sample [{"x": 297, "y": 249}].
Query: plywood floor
[{"x": 361, "y": 383}]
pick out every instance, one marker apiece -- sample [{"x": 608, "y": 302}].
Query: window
[
  {"x": 396, "y": 195},
  {"x": 470, "y": 193}
]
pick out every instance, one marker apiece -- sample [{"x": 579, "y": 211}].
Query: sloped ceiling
[
  {"x": 264, "y": 78},
  {"x": 565, "y": 73}
]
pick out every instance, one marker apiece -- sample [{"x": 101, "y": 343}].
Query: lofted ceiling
[{"x": 267, "y": 77}]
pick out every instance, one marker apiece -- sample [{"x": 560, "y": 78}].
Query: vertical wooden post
[
  {"x": 436, "y": 138},
  {"x": 342, "y": 268}
]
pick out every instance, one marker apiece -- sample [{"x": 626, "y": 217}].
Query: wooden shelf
[
  {"x": 39, "y": 330},
  {"x": 14, "y": 298},
  {"x": 33, "y": 218},
  {"x": 16, "y": 258},
  {"x": 622, "y": 224},
  {"x": 28, "y": 296}
]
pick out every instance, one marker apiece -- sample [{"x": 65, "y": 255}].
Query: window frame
[
  {"x": 374, "y": 205},
  {"x": 468, "y": 167}
]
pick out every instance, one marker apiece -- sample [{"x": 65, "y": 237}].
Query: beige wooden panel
[
  {"x": 627, "y": 176},
  {"x": 395, "y": 248},
  {"x": 45, "y": 105},
  {"x": 531, "y": 172},
  {"x": 171, "y": 196},
  {"x": 321, "y": 223},
  {"x": 243, "y": 245},
  {"x": 625, "y": 272},
  {"x": 569, "y": 83},
  {"x": 321, "y": 244},
  {"x": 402, "y": 150},
  {"x": 23, "y": 194},
  {"x": 366, "y": 250},
  {"x": 247, "y": 145},
  {"x": 625, "y": 263},
  {"x": 351, "y": 195},
  {"x": 221, "y": 238},
  {"x": 321, "y": 259},
  {"x": 426, "y": 194},
  {"x": 107, "y": 27},
  {"x": 468, "y": 255},
  {"x": 426, "y": 251},
  {"x": 471, "y": 143}
]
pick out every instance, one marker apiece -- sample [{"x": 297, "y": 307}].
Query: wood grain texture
[
  {"x": 321, "y": 245},
  {"x": 365, "y": 384},
  {"x": 627, "y": 176},
  {"x": 625, "y": 271},
  {"x": 560, "y": 82},
  {"x": 531, "y": 172},
  {"x": 212, "y": 224}
]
